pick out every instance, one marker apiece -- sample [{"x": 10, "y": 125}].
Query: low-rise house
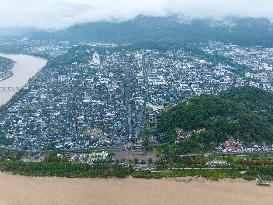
[{"x": 215, "y": 163}]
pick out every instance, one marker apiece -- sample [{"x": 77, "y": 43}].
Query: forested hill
[
  {"x": 243, "y": 31},
  {"x": 244, "y": 113}
]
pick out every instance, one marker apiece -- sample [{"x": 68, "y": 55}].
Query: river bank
[
  {"x": 22, "y": 190},
  {"x": 24, "y": 68}
]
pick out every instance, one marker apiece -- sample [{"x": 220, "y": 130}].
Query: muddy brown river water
[{"x": 19, "y": 190}]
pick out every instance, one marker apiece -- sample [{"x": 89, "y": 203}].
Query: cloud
[{"x": 56, "y": 14}]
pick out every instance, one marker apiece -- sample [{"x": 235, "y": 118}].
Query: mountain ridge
[{"x": 244, "y": 31}]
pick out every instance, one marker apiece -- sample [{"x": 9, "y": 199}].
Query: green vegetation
[
  {"x": 265, "y": 172},
  {"x": 5, "y": 64},
  {"x": 62, "y": 169},
  {"x": 208, "y": 174},
  {"x": 245, "y": 113},
  {"x": 77, "y": 54},
  {"x": 11, "y": 155},
  {"x": 216, "y": 59},
  {"x": 245, "y": 31},
  {"x": 4, "y": 140},
  {"x": 245, "y": 167}
]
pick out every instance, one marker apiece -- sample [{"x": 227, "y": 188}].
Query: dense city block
[{"x": 106, "y": 96}]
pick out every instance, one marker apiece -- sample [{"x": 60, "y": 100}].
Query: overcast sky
[{"x": 55, "y": 14}]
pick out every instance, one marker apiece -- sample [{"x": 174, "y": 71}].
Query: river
[
  {"x": 19, "y": 190},
  {"x": 25, "y": 67}
]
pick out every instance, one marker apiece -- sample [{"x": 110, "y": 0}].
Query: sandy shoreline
[{"x": 17, "y": 190}]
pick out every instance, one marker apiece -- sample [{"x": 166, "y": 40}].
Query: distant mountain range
[
  {"x": 243, "y": 31},
  {"x": 16, "y": 33}
]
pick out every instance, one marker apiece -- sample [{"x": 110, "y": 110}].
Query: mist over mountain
[
  {"x": 59, "y": 14},
  {"x": 246, "y": 22},
  {"x": 244, "y": 31},
  {"x": 16, "y": 33}
]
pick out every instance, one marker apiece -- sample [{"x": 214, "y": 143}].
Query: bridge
[{"x": 9, "y": 89}]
